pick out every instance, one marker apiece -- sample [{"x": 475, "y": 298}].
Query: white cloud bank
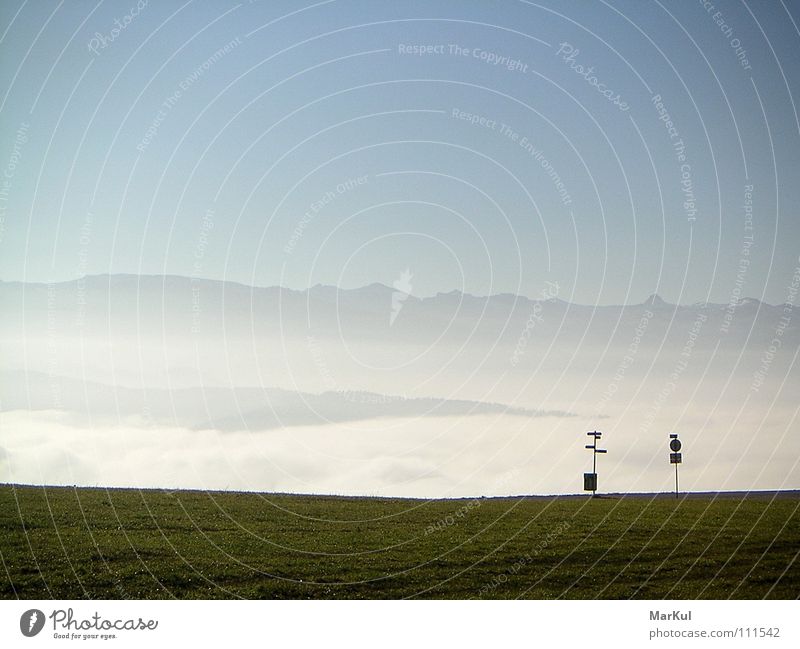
[{"x": 424, "y": 457}]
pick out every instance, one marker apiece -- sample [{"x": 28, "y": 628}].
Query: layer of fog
[{"x": 172, "y": 382}]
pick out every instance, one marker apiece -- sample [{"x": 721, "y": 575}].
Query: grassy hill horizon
[{"x": 118, "y": 543}]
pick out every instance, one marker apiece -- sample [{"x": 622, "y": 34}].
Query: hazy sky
[{"x": 299, "y": 143}]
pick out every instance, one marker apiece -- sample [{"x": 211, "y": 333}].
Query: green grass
[{"x": 97, "y": 543}]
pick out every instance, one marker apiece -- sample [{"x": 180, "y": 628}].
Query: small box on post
[{"x": 590, "y": 482}]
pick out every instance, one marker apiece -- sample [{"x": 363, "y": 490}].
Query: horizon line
[
  {"x": 654, "y": 298},
  {"x": 577, "y": 494}
]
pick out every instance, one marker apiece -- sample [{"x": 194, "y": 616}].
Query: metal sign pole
[
  {"x": 676, "y": 481},
  {"x": 590, "y": 479},
  {"x": 675, "y": 457}
]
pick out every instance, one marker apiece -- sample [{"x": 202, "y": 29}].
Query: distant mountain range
[
  {"x": 181, "y": 305},
  {"x": 147, "y": 283},
  {"x": 171, "y": 331}
]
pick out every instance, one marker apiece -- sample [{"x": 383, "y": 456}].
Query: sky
[{"x": 486, "y": 147}]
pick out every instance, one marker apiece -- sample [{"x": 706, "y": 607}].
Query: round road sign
[{"x": 675, "y": 445}]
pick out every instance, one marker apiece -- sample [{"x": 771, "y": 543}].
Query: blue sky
[{"x": 301, "y": 143}]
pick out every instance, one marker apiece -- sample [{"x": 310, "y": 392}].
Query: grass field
[{"x": 120, "y": 543}]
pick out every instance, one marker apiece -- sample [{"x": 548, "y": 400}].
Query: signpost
[
  {"x": 675, "y": 457},
  {"x": 590, "y": 479}
]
